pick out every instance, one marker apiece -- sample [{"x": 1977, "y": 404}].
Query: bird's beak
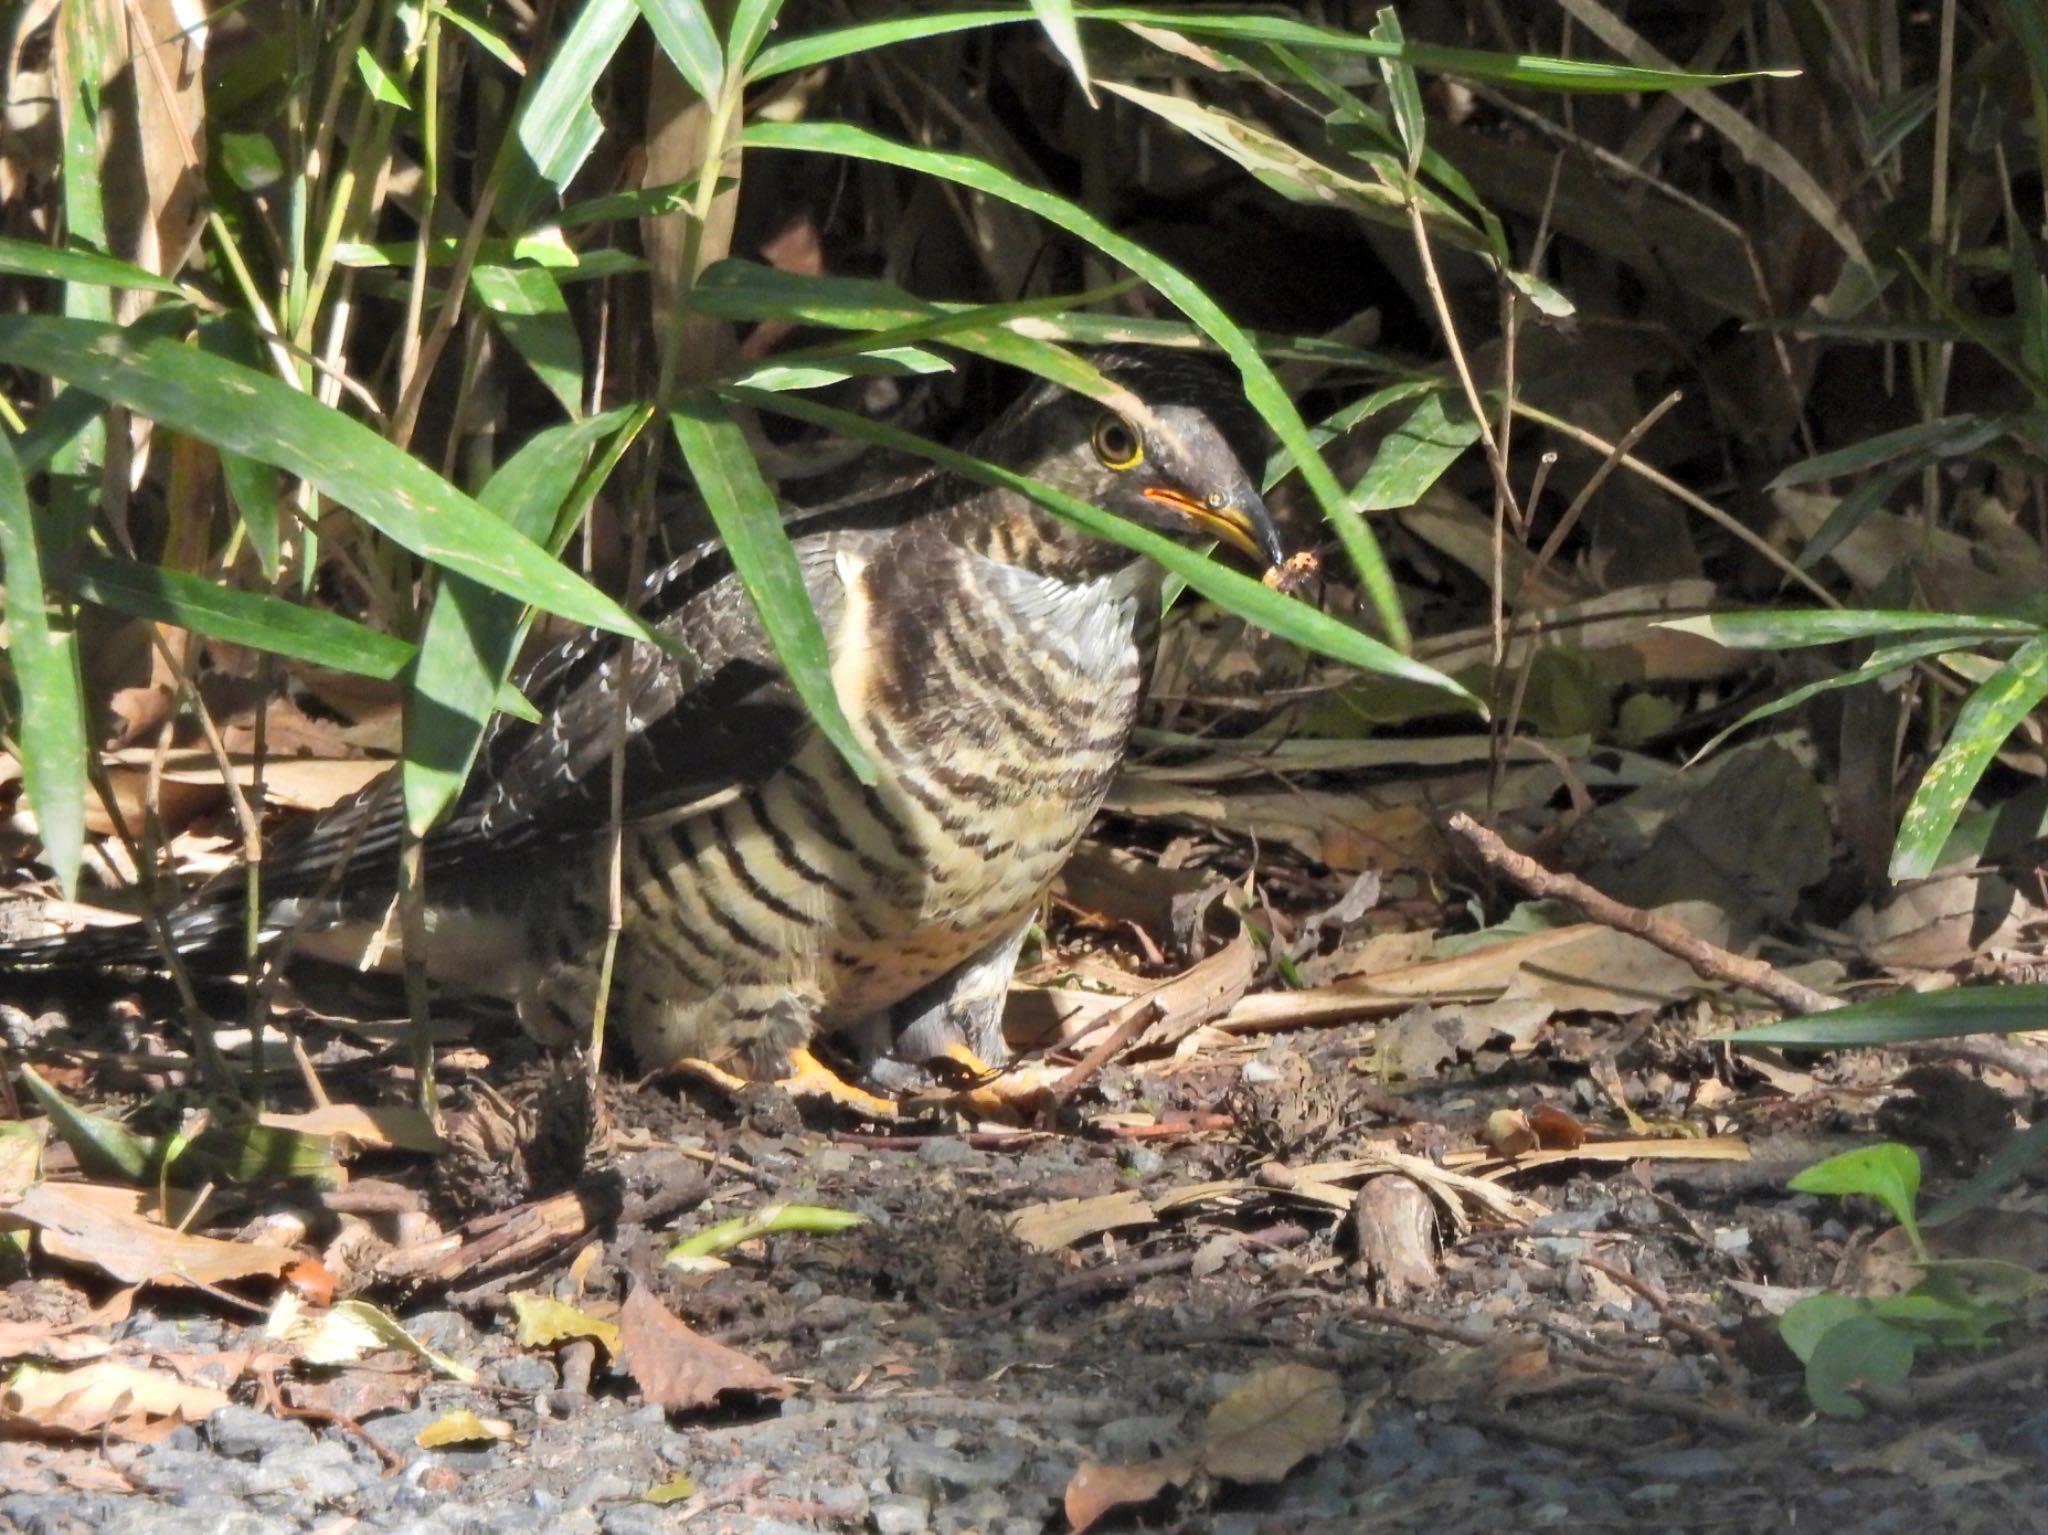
[{"x": 1239, "y": 519}]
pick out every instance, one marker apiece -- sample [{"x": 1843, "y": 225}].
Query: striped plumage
[{"x": 990, "y": 657}]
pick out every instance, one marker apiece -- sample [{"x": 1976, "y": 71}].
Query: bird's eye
[{"x": 1116, "y": 443}]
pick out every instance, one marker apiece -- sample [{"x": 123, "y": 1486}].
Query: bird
[{"x": 989, "y": 657}]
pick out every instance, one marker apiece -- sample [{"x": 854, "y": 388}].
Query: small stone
[
  {"x": 899, "y": 1514},
  {"x": 1139, "y": 1160},
  {"x": 637, "y": 1519},
  {"x": 1136, "y": 1438},
  {"x": 522, "y": 1372},
  {"x": 922, "y": 1470},
  {"x": 946, "y": 1151},
  {"x": 245, "y": 1433}
]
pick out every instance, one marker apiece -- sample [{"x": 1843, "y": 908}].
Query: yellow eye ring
[{"x": 1116, "y": 442}]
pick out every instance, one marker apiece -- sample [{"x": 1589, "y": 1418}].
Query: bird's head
[{"x": 1171, "y": 458}]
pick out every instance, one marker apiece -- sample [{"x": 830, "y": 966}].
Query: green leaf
[
  {"x": 1501, "y": 68},
  {"x": 1404, "y": 93},
  {"x": 557, "y": 124},
  {"x": 686, "y": 35},
  {"x": 1859, "y": 1351},
  {"x": 1888, "y": 1173},
  {"x": 43, "y": 651},
  {"x": 1415, "y": 454},
  {"x": 1986, "y": 721},
  {"x": 255, "y": 489},
  {"x": 1284, "y": 616},
  {"x": 751, "y": 22},
  {"x": 1807, "y": 1320},
  {"x": 1905, "y": 1017},
  {"x": 237, "y": 408},
  {"x": 484, "y": 38},
  {"x": 1884, "y": 662},
  {"x": 534, "y": 317},
  {"x": 886, "y": 316},
  {"x": 882, "y": 361},
  {"x": 750, "y": 523},
  {"x": 1261, "y": 387},
  {"x": 771, "y": 1220},
  {"x": 1946, "y": 437},
  {"x": 472, "y": 635},
  {"x": 243, "y": 618},
  {"x": 24, "y": 258},
  {"x": 106, "y": 1149},
  {"x": 381, "y": 85},
  {"x": 1792, "y": 629}
]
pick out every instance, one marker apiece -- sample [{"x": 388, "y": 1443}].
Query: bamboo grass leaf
[
  {"x": 239, "y": 409},
  {"x": 42, "y": 649},
  {"x": 750, "y": 523},
  {"x": 1261, "y": 387}
]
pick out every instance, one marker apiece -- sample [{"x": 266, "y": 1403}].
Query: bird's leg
[
  {"x": 959, "y": 1018},
  {"x": 807, "y": 1077}
]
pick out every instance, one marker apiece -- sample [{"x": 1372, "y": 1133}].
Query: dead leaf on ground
[
  {"x": 1257, "y": 1434},
  {"x": 105, "y": 1397},
  {"x": 680, "y": 1368},
  {"x": 104, "y": 1228}
]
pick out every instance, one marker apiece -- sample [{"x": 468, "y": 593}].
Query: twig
[
  {"x": 1709, "y": 960},
  {"x": 1715, "y": 1344}
]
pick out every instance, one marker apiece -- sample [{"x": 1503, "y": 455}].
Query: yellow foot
[
  {"x": 1013, "y": 1094},
  {"x": 808, "y": 1077}
]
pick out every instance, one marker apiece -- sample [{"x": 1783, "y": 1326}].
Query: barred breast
[{"x": 996, "y": 705}]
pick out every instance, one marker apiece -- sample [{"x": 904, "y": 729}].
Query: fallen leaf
[
  {"x": 1273, "y": 1422},
  {"x": 1256, "y": 1434},
  {"x": 104, "y": 1397},
  {"x": 544, "y": 1320},
  {"x": 103, "y": 1228},
  {"x": 678, "y": 1367},
  {"x": 1097, "y": 1486},
  {"x": 462, "y": 1427},
  {"x": 349, "y": 1331}
]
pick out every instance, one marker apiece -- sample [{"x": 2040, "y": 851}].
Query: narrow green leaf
[
  {"x": 1883, "y": 662},
  {"x": 106, "y": 1149},
  {"x": 42, "y": 648},
  {"x": 1415, "y": 454},
  {"x": 751, "y": 22},
  {"x": 886, "y": 316},
  {"x": 557, "y": 124},
  {"x": 1946, "y": 437},
  {"x": 1539, "y": 72},
  {"x": 1793, "y": 629},
  {"x": 534, "y": 317},
  {"x": 1987, "y": 719},
  {"x": 686, "y": 35},
  {"x": 484, "y": 38},
  {"x": 1905, "y": 1018},
  {"x": 255, "y": 619},
  {"x": 1261, "y": 387},
  {"x": 238, "y": 408},
  {"x": 1404, "y": 93},
  {"x": 256, "y": 490},
  {"x": 885, "y": 361},
  {"x": 381, "y": 85},
  {"x": 24, "y": 258},
  {"x": 645, "y": 202},
  {"x": 750, "y": 523},
  {"x": 1284, "y": 616},
  {"x": 472, "y": 635}
]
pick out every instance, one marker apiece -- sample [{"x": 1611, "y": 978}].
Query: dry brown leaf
[
  {"x": 1097, "y": 1486},
  {"x": 1505, "y": 1365},
  {"x": 21, "y": 1157},
  {"x": 1273, "y": 1422},
  {"x": 382, "y": 1126},
  {"x": 36, "y": 1340},
  {"x": 680, "y": 1368},
  {"x": 104, "y": 1397},
  {"x": 103, "y": 1227},
  {"x": 1257, "y": 1434}
]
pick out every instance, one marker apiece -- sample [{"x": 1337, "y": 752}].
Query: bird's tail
[{"x": 202, "y": 928}]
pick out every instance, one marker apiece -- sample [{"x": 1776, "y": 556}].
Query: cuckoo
[{"x": 991, "y": 659}]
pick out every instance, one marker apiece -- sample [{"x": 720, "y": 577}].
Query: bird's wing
[{"x": 719, "y": 715}]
